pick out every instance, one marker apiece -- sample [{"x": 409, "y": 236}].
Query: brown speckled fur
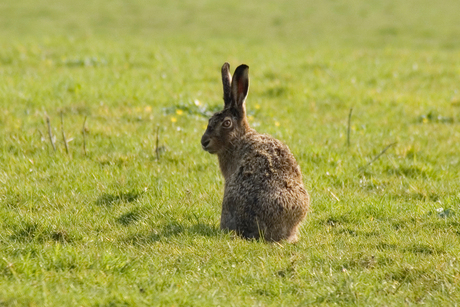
[{"x": 264, "y": 192}]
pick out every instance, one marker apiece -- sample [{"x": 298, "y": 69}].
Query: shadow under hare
[{"x": 264, "y": 194}]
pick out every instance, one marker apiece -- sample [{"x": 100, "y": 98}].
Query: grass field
[{"x": 133, "y": 219}]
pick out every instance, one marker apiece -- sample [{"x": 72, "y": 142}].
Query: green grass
[{"x": 117, "y": 227}]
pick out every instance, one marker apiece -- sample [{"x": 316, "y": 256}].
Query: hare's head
[{"x": 226, "y": 126}]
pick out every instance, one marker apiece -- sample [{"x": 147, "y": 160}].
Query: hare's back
[{"x": 267, "y": 161}]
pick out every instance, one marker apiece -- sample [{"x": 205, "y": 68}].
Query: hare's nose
[{"x": 205, "y": 142}]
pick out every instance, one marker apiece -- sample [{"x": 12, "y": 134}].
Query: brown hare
[{"x": 264, "y": 194}]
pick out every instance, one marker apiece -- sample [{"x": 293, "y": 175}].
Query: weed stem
[
  {"x": 376, "y": 157},
  {"x": 157, "y": 141},
  {"x": 349, "y": 127},
  {"x": 63, "y": 134},
  {"x": 50, "y": 134},
  {"x": 83, "y": 131}
]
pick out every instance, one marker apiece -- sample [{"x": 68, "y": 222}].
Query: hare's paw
[{"x": 227, "y": 221}]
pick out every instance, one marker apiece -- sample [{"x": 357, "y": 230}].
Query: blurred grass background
[{"x": 413, "y": 23}]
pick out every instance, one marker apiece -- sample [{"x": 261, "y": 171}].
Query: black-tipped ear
[
  {"x": 227, "y": 84},
  {"x": 240, "y": 86}
]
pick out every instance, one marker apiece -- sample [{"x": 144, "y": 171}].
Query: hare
[{"x": 264, "y": 194}]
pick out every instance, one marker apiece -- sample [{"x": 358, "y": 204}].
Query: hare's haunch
[{"x": 264, "y": 193}]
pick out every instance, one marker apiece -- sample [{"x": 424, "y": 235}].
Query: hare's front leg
[{"x": 227, "y": 218}]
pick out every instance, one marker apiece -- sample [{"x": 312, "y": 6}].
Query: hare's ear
[
  {"x": 240, "y": 87},
  {"x": 227, "y": 83}
]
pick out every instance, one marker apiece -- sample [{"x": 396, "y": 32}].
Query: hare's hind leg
[
  {"x": 283, "y": 232},
  {"x": 293, "y": 236}
]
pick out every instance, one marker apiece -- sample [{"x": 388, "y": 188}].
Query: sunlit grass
[{"x": 134, "y": 218}]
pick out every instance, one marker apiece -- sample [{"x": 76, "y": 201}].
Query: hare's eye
[{"x": 227, "y": 123}]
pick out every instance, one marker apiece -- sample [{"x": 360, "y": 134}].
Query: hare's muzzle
[{"x": 205, "y": 142}]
